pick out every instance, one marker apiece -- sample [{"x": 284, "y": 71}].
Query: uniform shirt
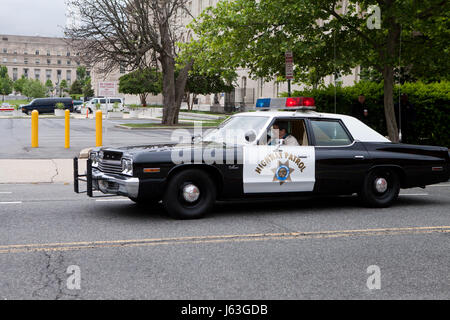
[{"x": 290, "y": 140}]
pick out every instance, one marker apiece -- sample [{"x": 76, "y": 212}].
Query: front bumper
[
  {"x": 115, "y": 184},
  {"x": 111, "y": 184}
]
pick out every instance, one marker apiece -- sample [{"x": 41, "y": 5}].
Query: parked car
[
  {"x": 106, "y": 104},
  {"x": 47, "y": 105},
  {"x": 77, "y": 105},
  {"x": 266, "y": 154}
]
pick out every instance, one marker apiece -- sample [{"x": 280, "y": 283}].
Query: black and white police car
[{"x": 270, "y": 152}]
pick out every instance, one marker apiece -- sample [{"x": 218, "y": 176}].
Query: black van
[{"x": 47, "y": 105}]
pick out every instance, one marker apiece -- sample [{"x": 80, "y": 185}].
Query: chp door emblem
[{"x": 283, "y": 172}]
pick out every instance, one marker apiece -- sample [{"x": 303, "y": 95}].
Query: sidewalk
[{"x": 16, "y": 171}]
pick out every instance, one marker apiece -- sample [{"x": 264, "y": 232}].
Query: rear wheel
[
  {"x": 190, "y": 194},
  {"x": 381, "y": 188}
]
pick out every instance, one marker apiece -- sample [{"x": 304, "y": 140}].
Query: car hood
[{"x": 141, "y": 152}]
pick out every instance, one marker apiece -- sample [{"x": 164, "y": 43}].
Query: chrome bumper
[{"x": 115, "y": 184}]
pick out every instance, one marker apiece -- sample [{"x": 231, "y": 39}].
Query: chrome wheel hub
[
  {"x": 191, "y": 193},
  {"x": 381, "y": 185}
]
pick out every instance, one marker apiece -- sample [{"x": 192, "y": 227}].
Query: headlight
[
  {"x": 94, "y": 158},
  {"x": 127, "y": 167}
]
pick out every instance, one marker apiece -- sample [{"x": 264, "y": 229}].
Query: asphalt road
[
  {"x": 15, "y": 142},
  {"x": 296, "y": 249}
]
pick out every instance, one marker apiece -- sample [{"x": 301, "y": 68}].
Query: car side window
[
  {"x": 330, "y": 133},
  {"x": 102, "y": 101}
]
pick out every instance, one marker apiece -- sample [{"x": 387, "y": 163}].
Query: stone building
[{"x": 41, "y": 58}]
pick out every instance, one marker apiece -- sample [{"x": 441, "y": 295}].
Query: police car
[{"x": 283, "y": 149}]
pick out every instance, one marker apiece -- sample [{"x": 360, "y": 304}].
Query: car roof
[{"x": 359, "y": 130}]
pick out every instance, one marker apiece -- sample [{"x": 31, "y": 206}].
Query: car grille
[{"x": 110, "y": 166}]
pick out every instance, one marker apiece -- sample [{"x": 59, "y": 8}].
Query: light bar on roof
[{"x": 298, "y": 103}]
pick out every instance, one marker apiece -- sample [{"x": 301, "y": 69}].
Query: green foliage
[
  {"x": 19, "y": 84},
  {"x": 6, "y": 84},
  {"x": 256, "y": 35},
  {"x": 431, "y": 103},
  {"x": 34, "y": 89},
  {"x": 146, "y": 81},
  {"x": 76, "y": 88},
  {"x": 204, "y": 84},
  {"x": 60, "y": 106},
  {"x": 87, "y": 89}
]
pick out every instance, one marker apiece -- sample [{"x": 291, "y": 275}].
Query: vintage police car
[{"x": 246, "y": 157}]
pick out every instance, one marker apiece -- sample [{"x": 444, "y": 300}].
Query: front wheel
[
  {"x": 380, "y": 188},
  {"x": 190, "y": 194}
]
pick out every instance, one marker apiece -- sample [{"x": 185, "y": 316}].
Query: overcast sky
[{"x": 32, "y": 17}]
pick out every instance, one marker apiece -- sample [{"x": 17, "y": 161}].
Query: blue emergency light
[{"x": 304, "y": 103}]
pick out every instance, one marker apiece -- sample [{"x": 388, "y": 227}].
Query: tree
[
  {"x": 136, "y": 34},
  {"x": 63, "y": 87},
  {"x": 87, "y": 89},
  {"x": 6, "y": 84},
  {"x": 19, "y": 84},
  {"x": 76, "y": 87},
  {"x": 34, "y": 89},
  {"x": 49, "y": 86},
  {"x": 142, "y": 83},
  {"x": 203, "y": 84},
  {"x": 324, "y": 36}
]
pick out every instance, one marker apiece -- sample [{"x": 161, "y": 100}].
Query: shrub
[
  {"x": 60, "y": 106},
  {"x": 431, "y": 103}
]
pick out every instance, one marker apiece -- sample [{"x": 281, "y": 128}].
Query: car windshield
[{"x": 233, "y": 130}]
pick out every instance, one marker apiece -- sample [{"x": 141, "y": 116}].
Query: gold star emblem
[{"x": 282, "y": 173}]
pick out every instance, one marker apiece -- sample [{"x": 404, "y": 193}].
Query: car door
[
  {"x": 341, "y": 161},
  {"x": 278, "y": 168}
]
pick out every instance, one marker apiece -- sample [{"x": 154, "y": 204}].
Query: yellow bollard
[
  {"x": 67, "y": 144},
  {"x": 98, "y": 128},
  {"x": 35, "y": 129}
]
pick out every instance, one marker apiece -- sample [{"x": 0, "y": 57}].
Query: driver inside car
[{"x": 280, "y": 131}]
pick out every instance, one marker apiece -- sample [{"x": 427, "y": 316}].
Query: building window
[
  {"x": 69, "y": 62},
  {"x": 58, "y": 75},
  {"x": 5, "y": 60},
  {"x": 58, "y": 53},
  {"x": 48, "y": 74},
  {"x": 59, "y": 62},
  {"x": 15, "y": 60},
  {"x": 68, "y": 54},
  {"x": 5, "y": 50},
  {"x": 37, "y": 74},
  {"x": 49, "y": 62},
  {"x": 48, "y": 53},
  {"x": 15, "y": 51},
  {"x": 25, "y": 73},
  {"x": 69, "y": 76},
  {"x": 37, "y": 52},
  {"x": 25, "y": 52},
  {"x": 38, "y": 61},
  {"x": 25, "y": 60},
  {"x": 15, "y": 74}
]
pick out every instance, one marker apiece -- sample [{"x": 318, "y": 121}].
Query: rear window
[{"x": 330, "y": 133}]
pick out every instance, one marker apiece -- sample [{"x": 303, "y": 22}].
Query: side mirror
[{"x": 250, "y": 136}]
